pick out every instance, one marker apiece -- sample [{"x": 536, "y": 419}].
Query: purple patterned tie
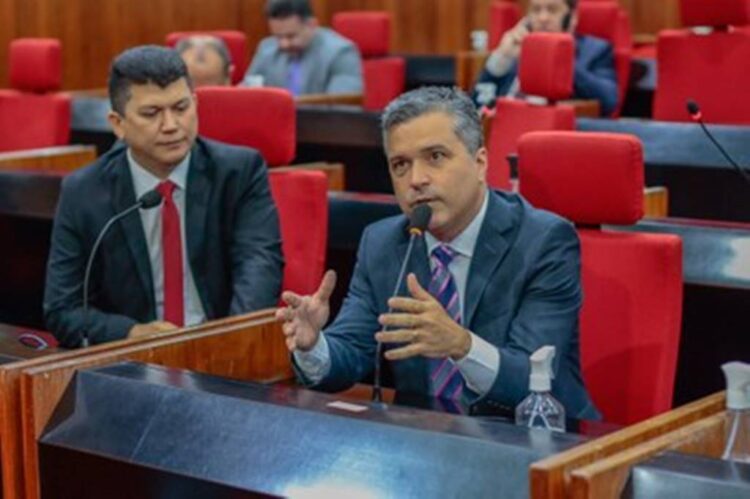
[
  {"x": 294, "y": 76},
  {"x": 446, "y": 380}
]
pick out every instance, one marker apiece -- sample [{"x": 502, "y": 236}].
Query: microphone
[
  {"x": 418, "y": 222},
  {"x": 697, "y": 116},
  {"x": 147, "y": 201}
]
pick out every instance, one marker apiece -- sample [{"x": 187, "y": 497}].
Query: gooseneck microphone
[
  {"x": 418, "y": 222},
  {"x": 147, "y": 201},
  {"x": 697, "y": 116}
]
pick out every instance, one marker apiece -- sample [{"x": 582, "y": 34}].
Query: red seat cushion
[
  {"x": 546, "y": 65},
  {"x": 35, "y": 64},
  {"x": 711, "y": 69},
  {"x": 28, "y": 121},
  {"x": 236, "y": 42},
  {"x": 715, "y": 12},
  {"x": 589, "y": 178},
  {"x": 385, "y": 79},
  {"x": 370, "y": 31},
  {"x": 301, "y": 198},
  {"x": 514, "y": 118},
  {"x": 630, "y": 321},
  {"x": 262, "y": 118}
]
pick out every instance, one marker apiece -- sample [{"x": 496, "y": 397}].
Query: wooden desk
[
  {"x": 63, "y": 159},
  {"x": 244, "y": 347}
]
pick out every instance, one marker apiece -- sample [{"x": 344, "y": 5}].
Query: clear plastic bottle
[
  {"x": 738, "y": 412},
  {"x": 540, "y": 409}
]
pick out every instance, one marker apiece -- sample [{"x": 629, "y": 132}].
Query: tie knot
[
  {"x": 166, "y": 189},
  {"x": 444, "y": 254}
]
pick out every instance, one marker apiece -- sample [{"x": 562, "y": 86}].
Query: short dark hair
[
  {"x": 141, "y": 65},
  {"x": 450, "y": 100},
  {"x": 572, "y": 4},
  {"x": 280, "y": 9}
]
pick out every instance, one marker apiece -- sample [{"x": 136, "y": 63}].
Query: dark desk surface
[
  {"x": 275, "y": 440},
  {"x": 11, "y": 348}
]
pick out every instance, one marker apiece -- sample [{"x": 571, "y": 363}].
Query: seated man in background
[
  {"x": 207, "y": 59},
  {"x": 303, "y": 57},
  {"x": 594, "y": 77},
  {"x": 211, "y": 249},
  {"x": 493, "y": 280}
]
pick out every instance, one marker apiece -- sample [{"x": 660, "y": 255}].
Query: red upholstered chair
[
  {"x": 236, "y": 42},
  {"x": 708, "y": 67},
  {"x": 632, "y": 282},
  {"x": 608, "y": 21},
  {"x": 261, "y": 118},
  {"x": 504, "y": 15},
  {"x": 32, "y": 113},
  {"x": 546, "y": 70},
  {"x": 384, "y": 76},
  {"x": 302, "y": 200}
]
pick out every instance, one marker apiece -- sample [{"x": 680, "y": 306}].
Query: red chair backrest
[
  {"x": 546, "y": 70},
  {"x": 504, "y": 15},
  {"x": 35, "y": 64},
  {"x": 302, "y": 201},
  {"x": 709, "y": 68},
  {"x": 384, "y": 76},
  {"x": 261, "y": 118},
  {"x": 632, "y": 282},
  {"x": 236, "y": 42},
  {"x": 32, "y": 114}
]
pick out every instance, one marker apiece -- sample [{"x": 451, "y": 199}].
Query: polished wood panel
[
  {"x": 606, "y": 479},
  {"x": 61, "y": 159},
  {"x": 655, "y": 202},
  {"x": 250, "y": 348},
  {"x": 330, "y": 99},
  {"x": 549, "y": 477},
  {"x": 334, "y": 172}
]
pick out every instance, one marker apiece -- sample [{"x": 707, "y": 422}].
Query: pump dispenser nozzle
[
  {"x": 540, "y": 409},
  {"x": 738, "y": 385},
  {"x": 541, "y": 369},
  {"x": 737, "y": 447}
]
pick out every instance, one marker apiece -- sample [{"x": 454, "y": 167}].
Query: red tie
[{"x": 171, "y": 245}]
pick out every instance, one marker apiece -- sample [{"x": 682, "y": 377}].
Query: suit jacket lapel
[
  {"x": 496, "y": 236},
  {"x": 123, "y": 197},
  {"x": 197, "y": 195}
]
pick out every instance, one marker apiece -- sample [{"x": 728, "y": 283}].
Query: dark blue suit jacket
[
  {"x": 232, "y": 232},
  {"x": 523, "y": 292},
  {"x": 594, "y": 77}
]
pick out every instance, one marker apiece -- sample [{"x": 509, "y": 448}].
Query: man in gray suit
[
  {"x": 493, "y": 280},
  {"x": 213, "y": 247},
  {"x": 303, "y": 57}
]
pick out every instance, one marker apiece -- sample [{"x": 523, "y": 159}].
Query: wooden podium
[{"x": 248, "y": 347}]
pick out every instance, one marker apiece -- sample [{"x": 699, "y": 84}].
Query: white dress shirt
[
  {"x": 481, "y": 365},
  {"x": 144, "y": 181}
]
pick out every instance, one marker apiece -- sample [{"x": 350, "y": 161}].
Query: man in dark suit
[
  {"x": 594, "y": 75},
  {"x": 493, "y": 280},
  {"x": 211, "y": 249}
]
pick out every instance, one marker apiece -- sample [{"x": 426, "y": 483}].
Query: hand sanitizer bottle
[
  {"x": 738, "y": 412},
  {"x": 540, "y": 409}
]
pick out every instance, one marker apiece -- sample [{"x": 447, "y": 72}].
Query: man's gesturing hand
[{"x": 305, "y": 316}]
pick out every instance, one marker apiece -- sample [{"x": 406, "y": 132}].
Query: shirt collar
[
  {"x": 144, "y": 180},
  {"x": 464, "y": 243}
]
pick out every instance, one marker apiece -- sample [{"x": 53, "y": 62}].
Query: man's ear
[
  {"x": 312, "y": 22},
  {"x": 573, "y": 22},
  {"x": 230, "y": 72},
  {"x": 480, "y": 158},
  {"x": 115, "y": 120}
]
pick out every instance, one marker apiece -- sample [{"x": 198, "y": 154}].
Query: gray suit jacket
[
  {"x": 233, "y": 243},
  {"x": 330, "y": 65},
  {"x": 523, "y": 292}
]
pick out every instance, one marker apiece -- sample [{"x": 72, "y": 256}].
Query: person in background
[
  {"x": 207, "y": 59},
  {"x": 594, "y": 77},
  {"x": 493, "y": 279},
  {"x": 211, "y": 249},
  {"x": 303, "y": 57}
]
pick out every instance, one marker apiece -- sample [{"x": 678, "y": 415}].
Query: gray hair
[
  {"x": 450, "y": 100},
  {"x": 210, "y": 42}
]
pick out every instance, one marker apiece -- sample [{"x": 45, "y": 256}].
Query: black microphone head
[
  {"x": 692, "y": 107},
  {"x": 420, "y": 218},
  {"x": 150, "y": 199}
]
